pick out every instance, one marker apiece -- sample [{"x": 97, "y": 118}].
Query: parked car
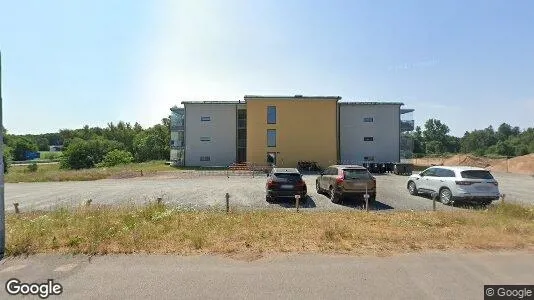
[
  {"x": 455, "y": 184},
  {"x": 341, "y": 181},
  {"x": 285, "y": 183}
]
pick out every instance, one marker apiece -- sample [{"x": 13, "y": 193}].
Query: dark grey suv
[{"x": 285, "y": 183}]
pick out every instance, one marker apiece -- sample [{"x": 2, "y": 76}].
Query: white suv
[{"x": 455, "y": 184}]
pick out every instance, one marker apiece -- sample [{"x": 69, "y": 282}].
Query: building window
[
  {"x": 368, "y": 119},
  {"x": 172, "y": 143},
  {"x": 271, "y": 114},
  {"x": 271, "y": 158},
  {"x": 368, "y": 138},
  {"x": 205, "y": 119},
  {"x": 204, "y": 158},
  {"x": 271, "y": 137},
  {"x": 205, "y": 139},
  {"x": 369, "y": 158}
]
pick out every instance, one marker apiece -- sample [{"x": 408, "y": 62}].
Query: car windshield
[
  {"x": 356, "y": 174},
  {"x": 291, "y": 177},
  {"x": 476, "y": 174}
]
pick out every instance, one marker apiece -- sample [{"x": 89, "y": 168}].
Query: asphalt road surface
[
  {"x": 413, "y": 276},
  {"x": 207, "y": 191}
]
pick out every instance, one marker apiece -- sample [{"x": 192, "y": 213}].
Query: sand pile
[{"x": 520, "y": 165}]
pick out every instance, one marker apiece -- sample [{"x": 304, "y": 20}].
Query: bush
[
  {"x": 116, "y": 157},
  {"x": 33, "y": 167},
  {"x": 81, "y": 154},
  {"x": 22, "y": 145},
  {"x": 51, "y": 155}
]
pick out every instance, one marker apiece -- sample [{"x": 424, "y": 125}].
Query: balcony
[
  {"x": 242, "y": 123},
  {"x": 175, "y": 127},
  {"x": 241, "y": 143},
  {"x": 407, "y": 125}
]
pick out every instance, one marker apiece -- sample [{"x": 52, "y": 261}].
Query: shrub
[
  {"x": 51, "y": 155},
  {"x": 116, "y": 157},
  {"x": 81, "y": 154},
  {"x": 33, "y": 167},
  {"x": 22, "y": 145}
]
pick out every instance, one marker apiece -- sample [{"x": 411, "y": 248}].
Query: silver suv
[{"x": 455, "y": 184}]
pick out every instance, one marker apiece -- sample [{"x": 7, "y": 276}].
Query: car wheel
[
  {"x": 269, "y": 199},
  {"x": 445, "y": 196},
  {"x": 333, "y": 196},
  {"x": 412, "y": 189}
]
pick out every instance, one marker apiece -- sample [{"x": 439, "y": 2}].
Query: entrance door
[{"x": 271, "y": 158}]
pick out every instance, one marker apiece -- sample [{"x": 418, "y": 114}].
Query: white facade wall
[
  {"x": 220, "y": 129},
  {"x": 385, "y": 130}
]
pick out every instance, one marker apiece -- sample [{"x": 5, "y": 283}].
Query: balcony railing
[
  {"x": 407, "y": 125},
  {"x": 241, "y": 143},
  {"x": 241, "y": 123}
]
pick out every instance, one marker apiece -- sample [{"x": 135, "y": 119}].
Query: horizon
[{"x": 66, "y": 65}]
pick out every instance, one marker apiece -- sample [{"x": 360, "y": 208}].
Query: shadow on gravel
[
  {"x": 290, "y": 203},
  {"x": 463, "y": 205},
  {"x": 360, "y": 204}
]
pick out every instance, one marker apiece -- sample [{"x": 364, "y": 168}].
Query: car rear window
[
  {"x": 476, "y": 174},
  {"x": 356, "y": 174},
  {"x": 288, "y": 176}
]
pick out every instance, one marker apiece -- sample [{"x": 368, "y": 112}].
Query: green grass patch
[{"x": 52, "y": 172}]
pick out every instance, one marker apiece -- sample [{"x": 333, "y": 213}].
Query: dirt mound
[{"x": 520, "y": 165}]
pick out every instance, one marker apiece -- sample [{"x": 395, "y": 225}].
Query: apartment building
[{"x": 283, "y": 130}]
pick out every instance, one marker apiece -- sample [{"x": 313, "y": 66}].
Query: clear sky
[{"x": 70, "y": 63}]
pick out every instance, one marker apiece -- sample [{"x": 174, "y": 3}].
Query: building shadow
[{"x": 309, "y": 202}]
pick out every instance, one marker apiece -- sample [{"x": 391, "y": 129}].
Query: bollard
[
  {"x": 502, "y": 198},
  {"x": 159, "y": 199},
  {"x": 366, "y": 197},
  {"x": 88, "y": 202},
  {"x": 16, "y": 207},
  {"x": 141, "y": 172},
  {"x": 434, "y": 198},
  {"x": 227, "y": 196},
  {"x": 297, "y": 202}
]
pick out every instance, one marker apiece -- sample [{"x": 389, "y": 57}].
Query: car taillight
[
  {"x": 271, "y": 184},
  {"x": 301, "y": 183},
  {"x": 464, "y": 182},
  {"x": 340, "y": 179}
]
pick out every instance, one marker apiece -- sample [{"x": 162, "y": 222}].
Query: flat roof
[
  {"x": 294, "y": 97},
  {"x": 213, "y": 102},
  {"x": 371, "y": 103},
  {"x": 407, "y": 110}
]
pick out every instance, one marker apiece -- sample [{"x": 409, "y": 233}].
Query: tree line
[
  {"x": 509, "y": 141},
  {"x": 88, "y": 147}
]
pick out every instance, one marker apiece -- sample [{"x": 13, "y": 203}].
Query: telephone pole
[{"x": 2, "y": 206}]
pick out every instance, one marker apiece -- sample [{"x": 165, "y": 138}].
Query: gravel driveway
[{"x": 201, "y": 192}]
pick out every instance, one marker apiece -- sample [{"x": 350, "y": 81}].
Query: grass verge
[
  {"x": 159, "y": 229},
  {"x": 52, "y": 172}
]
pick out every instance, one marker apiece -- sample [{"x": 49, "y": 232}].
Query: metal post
[
  {"x": 159, "y": 199},
  {"x": 2, "y": 210},
  {"x": 502, "y": 198},
  {"x": 17, "y": 210},
  {"x": 366, "y": 197},
  {"x": 297, "y": 202},
  {"x": 434, "y": 198},
  {"x": 227, "y": 197}
]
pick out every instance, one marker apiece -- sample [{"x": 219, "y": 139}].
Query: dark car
[{"x": 285, "y": 183}]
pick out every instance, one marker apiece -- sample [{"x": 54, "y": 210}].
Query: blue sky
[{"x": 70, "y": 63}]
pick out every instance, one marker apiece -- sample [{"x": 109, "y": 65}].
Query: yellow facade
[{"x": 306, "y": 130}]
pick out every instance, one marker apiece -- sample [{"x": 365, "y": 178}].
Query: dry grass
[
  {"x": 52, "y": 172},
  {"x": 160, "y": 229}
]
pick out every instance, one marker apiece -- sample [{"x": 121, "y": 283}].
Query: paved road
[
  {"x": 413, "y": 276},
  {"x": 208, "y": 191}
]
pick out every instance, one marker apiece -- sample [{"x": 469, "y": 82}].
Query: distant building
[
  {"x": 56, "y": 148},
  {"x": 283, "y": 130}
]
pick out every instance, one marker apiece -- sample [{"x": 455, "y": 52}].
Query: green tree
[
  {"x": 81, "y": 154},
  {"x": 435, "y": 136},
  {"x": 21, "y": 145},
  {"x": 116, "y": 157}
]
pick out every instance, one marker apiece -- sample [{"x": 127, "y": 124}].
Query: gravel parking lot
[{"x": 199, "y": 191}]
